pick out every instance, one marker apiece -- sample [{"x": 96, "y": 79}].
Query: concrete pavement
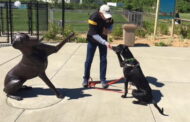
[{"x": 166, "y": 68}]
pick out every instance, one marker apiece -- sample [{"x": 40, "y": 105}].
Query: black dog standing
[
  {"x": 133, "y": 73},
  {"x": 33, "y": 63}
]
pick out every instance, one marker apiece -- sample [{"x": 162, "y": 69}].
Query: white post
[
  {"x": 156, "y": 18},
  {"x": 173, "y": 24},
  {"x": 80, "y": 1},
  {"x": 51, "y": 12}
]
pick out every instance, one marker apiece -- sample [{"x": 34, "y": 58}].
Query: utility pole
[
  {"x": 156, "y": 18},
  {"x": 81, "y": 1}
]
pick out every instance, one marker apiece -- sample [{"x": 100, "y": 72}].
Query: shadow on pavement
[
  {"x": 141, "y": 45},
  {"x": 74, "y": 93},
  {"x": 154, "y": 81},
  {"x": 157, "y": 95}
]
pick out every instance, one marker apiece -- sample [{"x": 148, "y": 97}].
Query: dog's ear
[
  {"x": 125, "y": 47},
  {"x": 24, "y": 36}
]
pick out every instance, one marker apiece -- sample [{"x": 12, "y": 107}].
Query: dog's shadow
[
  {"x": 74, "y": 93},
  {"x": 154, "y": 81},
  {"x": 157, "y": 95}
]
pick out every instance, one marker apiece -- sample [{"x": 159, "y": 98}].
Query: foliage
[
  {"x": 80, "y": 40},
  {"x": 52, "y": 32},
  {"x": 56, "y": 32},
  {"x": 161, "y": 44},
  {"x": 117, "y": 32},
  {"x": 183, "y": 5},
  {"x": 143, "y": 5},
  {"x": 140, "y": 32},
  {"x": 149, "y": 27},
  {"x": 163, "y": 28},
  {"x": 183, "y": 30},
  {"x": 139, "y": 5},
  {"x": 68, "y": 29}
]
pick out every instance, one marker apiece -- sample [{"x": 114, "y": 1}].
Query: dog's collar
[
  {"x": 132, "y": 65},
  {"x": 128, "y": 64},
  {"x": 130, "y": 59}
]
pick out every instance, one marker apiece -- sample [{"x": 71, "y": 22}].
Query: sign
[{"x": 167, "y": 9}]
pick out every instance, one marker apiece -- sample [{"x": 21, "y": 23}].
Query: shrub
[
  {"x": 80, "y": 40},
  {"x": 177, "y": 29},
  {"x": 161, "y": 44},
  {"x": 110, "y": 39},
  {"x": 163, "y": 29},
  {"x": 68, "y": 29},
  {"x": 57, "y": 33},
  {"x": 149, "y": 27},
  {"x": 183, "y": 30},
  {"x": 117, "y": 32},
  {"x": 52, "y": 32},
  {"x": 140, "y": 32}
]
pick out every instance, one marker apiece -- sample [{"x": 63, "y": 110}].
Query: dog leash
[{"x": 92, "y": 84}]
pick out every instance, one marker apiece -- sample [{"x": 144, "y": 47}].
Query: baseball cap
[{"x": 105, "y": 10}]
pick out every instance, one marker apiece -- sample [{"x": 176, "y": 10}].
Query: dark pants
[{"x": 91, "y": 48}]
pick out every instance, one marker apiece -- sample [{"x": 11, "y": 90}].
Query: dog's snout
[{"x": 114, "y": 48}]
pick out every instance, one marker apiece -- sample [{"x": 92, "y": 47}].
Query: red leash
[{"x": 92, "y": 84}]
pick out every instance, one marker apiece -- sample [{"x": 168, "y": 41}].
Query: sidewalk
[{"x": 166, "y": 68}]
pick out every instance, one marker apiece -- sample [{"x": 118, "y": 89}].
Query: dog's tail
[{"x": 161, "y": 110}]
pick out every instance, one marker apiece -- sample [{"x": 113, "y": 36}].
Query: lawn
[{"x": 77, "y": 19}]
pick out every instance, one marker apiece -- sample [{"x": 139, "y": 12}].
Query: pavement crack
[
  {"x": 23, "y": 110},
  {"x": 152, "y": 113},
  {"x": 10, "y": 60}
]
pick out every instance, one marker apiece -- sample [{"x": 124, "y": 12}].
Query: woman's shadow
[{"x": 74, "y": 93}]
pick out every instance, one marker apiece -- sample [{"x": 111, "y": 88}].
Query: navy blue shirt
[{"x": 97, "y": 24}]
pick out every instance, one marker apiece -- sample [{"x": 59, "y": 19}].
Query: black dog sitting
[
  {"x": 34, "y": 63},
  {"x": 133, "y": 73}
]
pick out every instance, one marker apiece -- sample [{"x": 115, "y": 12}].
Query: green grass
[
  {"x": 82, "y": 17},
  {"x": 78, "y": 20},
  {"x": 185, "y": 15}
]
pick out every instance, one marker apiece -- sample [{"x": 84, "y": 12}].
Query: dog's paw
[
  {"x": 24, "y": 87},
  {"x": 123, "y": 96},
  {"x": 15, "y": 97},
  {"x": 140, "y": 103}
]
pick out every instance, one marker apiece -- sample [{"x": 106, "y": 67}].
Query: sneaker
[
  {"x": 85, "y": 83},
  {"x": 104, "y": 84}
]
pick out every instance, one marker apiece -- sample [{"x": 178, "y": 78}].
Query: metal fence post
[
  {"x": 7, "y": 18},
  {"x": 47, "y": 15},
  {"x": 11, "y": 20},
  {"x": 37, "y": 19},
  {"x": 1, "y": 20},
  {"x": 63, "y": 14},
  {"x": 30, "y": 18}
]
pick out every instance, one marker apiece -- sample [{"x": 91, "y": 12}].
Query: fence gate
[{"x": 30, "y": 17}]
